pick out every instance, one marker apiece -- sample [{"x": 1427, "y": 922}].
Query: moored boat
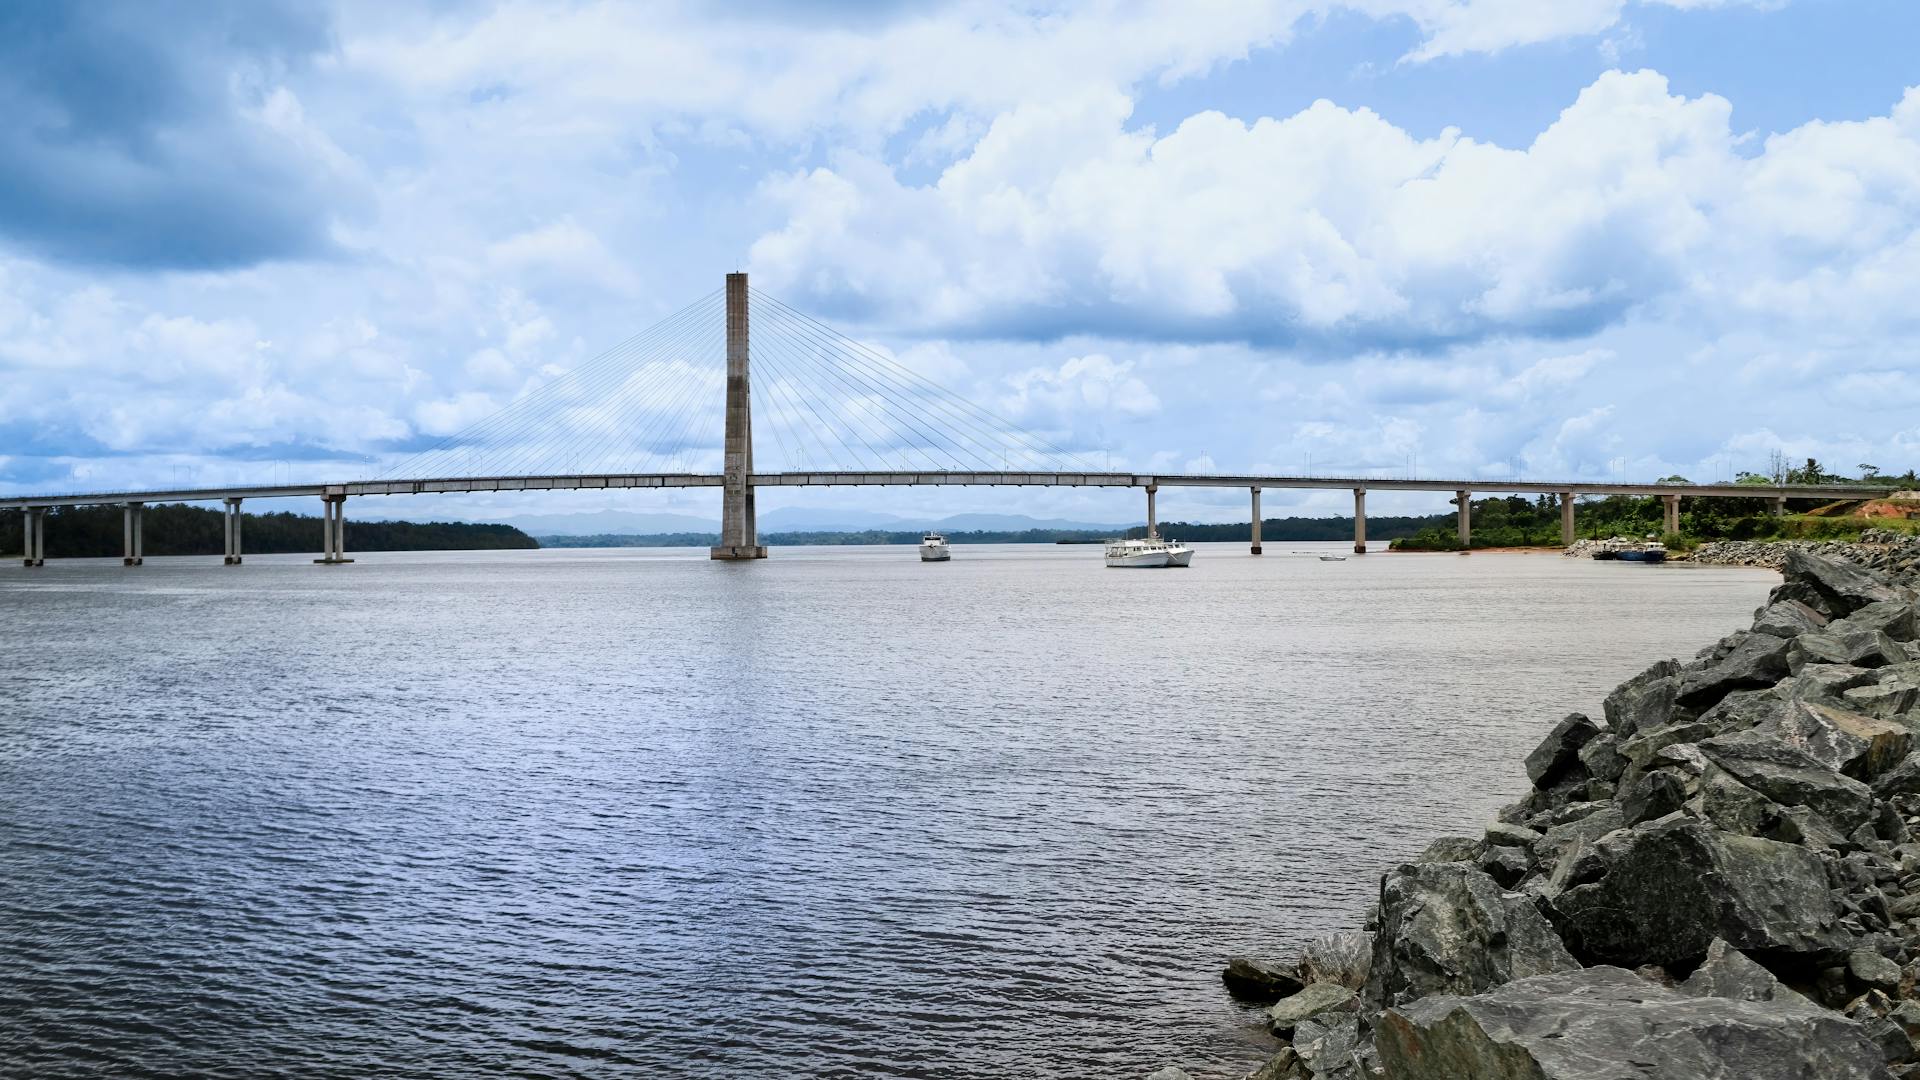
[
  {"x": 1652, "y": 551},
  {"x": 934, "y": 548},
  {"x": 1147, "y": 553}
]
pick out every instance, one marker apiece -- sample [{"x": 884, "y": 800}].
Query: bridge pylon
[{"x": 739, "y": 529}]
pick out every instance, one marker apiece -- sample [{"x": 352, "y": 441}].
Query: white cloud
[
  {"x": 1093, "y": 384},
  {"x": 1335, "y": 229}
]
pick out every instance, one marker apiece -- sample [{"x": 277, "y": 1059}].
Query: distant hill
[
  {"x": 789, "y": 519},
  {"x": 610, "y": 521},
  {"x": 1271, "y": 529}
]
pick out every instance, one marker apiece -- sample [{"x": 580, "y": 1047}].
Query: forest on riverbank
[
  {"x": 1522, "y": 521},
  {"x": 176, "y": 529}
]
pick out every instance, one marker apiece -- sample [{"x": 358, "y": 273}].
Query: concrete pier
[
  {"x": 333, "y": 531},
  {"x": 1566, "y": 519},
  {"x": 739, "y": 528},
  {"x": 1256, "y": 521},
  {"x": 1672, "y": 512},
  {"x": 33, "y": 537},
  {"x": 132, "y": 524},
  {"x": 1464, "y": 499},
  {"x": 1153, "y": 522},
  {"x": 232, "y": 523},
  {"x": 1780, "y": 506},
  {"x": 1359, "y": 521}
]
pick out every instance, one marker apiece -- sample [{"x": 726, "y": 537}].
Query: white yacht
[
  {"x": 1147, "y": 553},
  {"x": 933, "y": 548}
]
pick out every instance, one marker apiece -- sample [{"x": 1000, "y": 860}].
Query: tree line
[
  {"x": 1520, "y": 521},
  {"x": 1278, "y": 529},
  {"x": 176, "y": 529}
]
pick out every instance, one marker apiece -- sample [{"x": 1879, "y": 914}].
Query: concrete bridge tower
[{"x": 739, "y": 529}]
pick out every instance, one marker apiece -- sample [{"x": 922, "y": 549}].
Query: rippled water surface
[{"x": 836, "y": 814}]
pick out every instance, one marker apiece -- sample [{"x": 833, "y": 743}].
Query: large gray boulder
[
  {"x": 1900, "y": 621},
  {"x": 1759, "y": 660},
  {"x": 1326, "y": 1044},
  {"x": 1731, "y": 806},
  {"x": 1259, "y": 981},
  {"x": 1790, "y": 777},
  {"x": 1827, "y": 682},
  {"x": 1450, "y": 849},
  {"x": 1560, "y": 839},
  {"x": 1894, "y": 693},
  {"x": 1842, "y": 644},
  {"x": 1832, "y": 587},
  {"x": 1788, "y": 618},
  {"x": 1605, "y": 1023},
  {"x": 1447, "y": 928},
  {"x": 1316, "y": 999},
  {"x": 1601, "y": 757},
  {"x": 1648, "y": 700},
  {"x": 1729, "y": 973},
  {"x": 1660, "y": 892},
  {"x": 1341, "y": 958},
  {"x": 1651, "y": 795},
  {"x": 1560, "y": 750},
  {"x": 1844, "y": 741}
]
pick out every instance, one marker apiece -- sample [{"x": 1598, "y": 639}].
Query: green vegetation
[
  {"x": 1516, "y": 521},
  {"x": 1271, "y": 529},
  {"x": 96, "y": 531}
]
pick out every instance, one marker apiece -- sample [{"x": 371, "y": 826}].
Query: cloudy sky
[{"x": 252, "y": 240}]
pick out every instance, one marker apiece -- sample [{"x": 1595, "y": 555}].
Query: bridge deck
[{"x": 452, "y": 485}]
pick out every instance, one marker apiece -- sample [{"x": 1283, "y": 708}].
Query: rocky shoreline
[{"x": 1722, "y": 880}]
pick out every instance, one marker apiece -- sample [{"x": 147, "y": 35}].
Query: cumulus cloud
[
  {"x": 1457, "y": 27},
  {"x": 1333, "y": 229},
  {"x": 162, "y": 135}
]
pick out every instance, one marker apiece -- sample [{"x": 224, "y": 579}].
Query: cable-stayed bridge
[{"x": 830, "y": 411}]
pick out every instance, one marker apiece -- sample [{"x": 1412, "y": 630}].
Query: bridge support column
[
  {"x": 233, "y": 532},
  {"x": 1673, "y": 512},
  {"x": 1153, "y": 522},
  {"x": 1566, "y": 519},
  {"x": 130, "y": 529},
  {"x": 739, "y": 527},
  {"x": 1464, "y": 499},
  {"x": 1780, "y": 506},
  {"x": 333, "y": 530},
  {"x": 1359, "y": 521},
  {"x": 1256, "y": 521},
  {"x": 33, "y": 536}
]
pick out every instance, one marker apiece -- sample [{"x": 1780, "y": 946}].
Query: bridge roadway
[{"x": 334, "y": 496}]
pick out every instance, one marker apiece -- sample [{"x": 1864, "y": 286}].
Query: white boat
[
  {"x": 1333, "y": 558},
  {"x": 1148, "y": 553},
  {"x": 933, "y": 548}
]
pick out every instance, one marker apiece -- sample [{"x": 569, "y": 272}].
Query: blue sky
[{"x": 1594, "y": 238}]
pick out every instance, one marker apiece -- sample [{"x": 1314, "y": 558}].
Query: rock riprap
[{"x": 1722, "y": 880}]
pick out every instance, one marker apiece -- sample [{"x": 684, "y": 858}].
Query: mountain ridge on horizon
[{"x": 786, "y": 519}]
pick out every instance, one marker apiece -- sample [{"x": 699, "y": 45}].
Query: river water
[{"x": 633, "y": 813}]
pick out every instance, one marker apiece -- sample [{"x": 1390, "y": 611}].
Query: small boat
[
  {"x": 1333, "y": 558},
  {"x": 1610, "y": 549},
  {"x": 1653, "y": 551},
  {"x": 934, "y": 548},
  {"x": 1147, "y": 553}
]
